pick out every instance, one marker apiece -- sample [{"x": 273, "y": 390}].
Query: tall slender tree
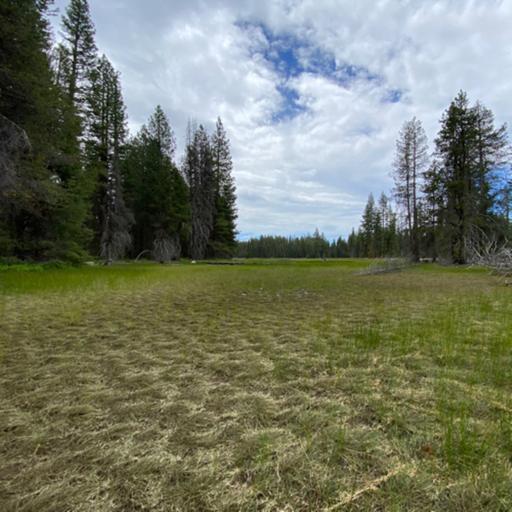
[
  {"x": 410, "y": 163},
  {"x": 199, "y": 171},
  {"x": 78, "y": 30},
  {"x": 367, "y": 233},
  {"x": 105, "y": 137},
  {"x": 223, "y": 237}
]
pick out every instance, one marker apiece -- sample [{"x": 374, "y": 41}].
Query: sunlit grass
[{"x": 281, "y": 385}]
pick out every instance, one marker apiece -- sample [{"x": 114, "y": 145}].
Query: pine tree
[
  {"x": 387, "y": 227},
  {"x": 341, "y": 249},
  {"x": 455, "y": 150},
  {"x": 42, "y": 212},
  {"x": 368, "y": 223},
  {"x": 410, "y": 163},
  {"x": 353, "y": 243},
  {"x": 161, "y": 132},
  {"x": 223, "y": 237},
  {"x": 378, "y": 235},
  {"x": 491, "y": 146},
  {"x": 117, "y": 219},
  {"x": 79, "y": 32},
  {"x": 433, "y": 194},
  {"x": 199, "y": 171},
  {"x": 105, "y": 137},
  {"x": 25, "y": 74},
  {"x": 309, "y": 246},
  {"x": 468, "y": 149},
  {"x": 156, "y": 191}
]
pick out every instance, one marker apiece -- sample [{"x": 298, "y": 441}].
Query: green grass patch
[{"x": 268, "y": 385}]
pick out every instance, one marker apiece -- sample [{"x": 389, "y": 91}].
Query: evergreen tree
[
  {"x": 117, "y": 219},
  {"x": 367, "y": 235},
  {"x": 468, "y": 150},
  {"x": 161, "y": 133},
  {"x": 432, "y": 209},
  {"x": 61, "y": 65},
  {"x": 200, "y": 174},
  {"x": 68, "y": 163},
  {"x": 341, "y": 248},
  {"x": 156, "y": 192},
  {"x": 223, "y": 237},
  {"x": 378, "y": 236},
  {"x": 388, "y": 236},
  {"x": 410, "y": 163},
  {"x": 491, "y": 153},
  {"x": 504, "y": 202},
  {"x": 353, "y": 243},
  {"x": 79, "y": 32},
  {"x": 42, "y": 210},
  {"x": 106, "y": 133},
  {"x": 24, "y": 78}
]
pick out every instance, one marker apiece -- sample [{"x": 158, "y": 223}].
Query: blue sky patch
[
  {"x": 291, "y": 55},
  {"x": 393, "y": 96},
  {"x": 290, "y": 107}
]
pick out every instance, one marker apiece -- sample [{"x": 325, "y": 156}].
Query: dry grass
[{"x": 298, "y": 386}]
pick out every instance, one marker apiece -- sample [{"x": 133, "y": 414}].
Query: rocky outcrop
[{"x": 14, "y": 145}]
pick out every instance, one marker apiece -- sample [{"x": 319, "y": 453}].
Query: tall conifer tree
[
  {"x": 410, "y": 163},
  {"x": 106, "y": 132},
  {"x": 199, "y": 171},
  {"x": 469, "y": 148},
  {"x": 156, "y": 191},
  {"x": 79, "y": 32},
  {"x": 223, "y": 238}
]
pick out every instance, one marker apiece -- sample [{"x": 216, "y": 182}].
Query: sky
[{"x": 312, "y": 93}]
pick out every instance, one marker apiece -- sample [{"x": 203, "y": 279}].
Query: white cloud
[{"x": 197, "y": 60}]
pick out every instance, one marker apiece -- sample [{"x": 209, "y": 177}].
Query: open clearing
[{"x": 283, "y": 386}]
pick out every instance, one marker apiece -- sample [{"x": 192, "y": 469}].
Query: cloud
[{"x": 312, "y": 93}]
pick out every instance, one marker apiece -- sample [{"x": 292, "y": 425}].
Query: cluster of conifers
[
  {"x": 72, "y": 183},
  {"x": 449, "y": 200}
]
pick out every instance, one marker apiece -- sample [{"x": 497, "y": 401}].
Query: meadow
[{"x": 292, "y": 386}]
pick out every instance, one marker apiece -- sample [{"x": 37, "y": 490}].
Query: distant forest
[
  {"x": 72, "y": 183},
  {"x": 75, "y": 185}
]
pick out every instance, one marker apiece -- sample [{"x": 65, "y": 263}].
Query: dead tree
[
  {"x": 487, "y": 250},
  {"x": 166, "y": 247}
]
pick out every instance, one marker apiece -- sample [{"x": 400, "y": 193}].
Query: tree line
[
  {"x": 460, "y": 192},
  {"x": 73, "y": 183},
  {"x": 308, "y": 246},
  {"x": 379, "y": 236},
  {"x": 449, "y": 200},
  {"x": 445, "y": 201}
]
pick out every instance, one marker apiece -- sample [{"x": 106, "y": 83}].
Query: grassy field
[{"x": 286, "y": 386}]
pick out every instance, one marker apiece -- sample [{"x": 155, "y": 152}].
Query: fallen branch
[
  {"x": 385, "y": 266},
  {"x": 487, "y": 251},
  {"x": 145, "y": 251}
]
